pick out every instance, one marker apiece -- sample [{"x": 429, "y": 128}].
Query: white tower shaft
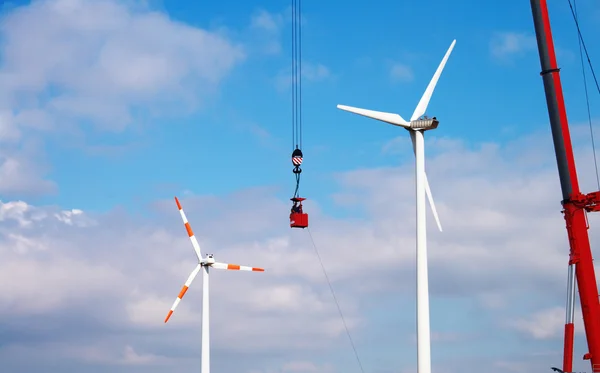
[
  {"x": 423, "y": 328},
  {"x": 205, "y": 322}
]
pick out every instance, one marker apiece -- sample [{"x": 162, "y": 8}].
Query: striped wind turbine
[{"x": 204, "y": 264}]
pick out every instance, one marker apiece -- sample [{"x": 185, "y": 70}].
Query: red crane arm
[{"x": 575, "y": 204}]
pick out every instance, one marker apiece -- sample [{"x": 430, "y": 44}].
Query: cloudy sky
[{"x": 109, "y": 109}]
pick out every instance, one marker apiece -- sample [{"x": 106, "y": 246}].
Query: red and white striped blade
[
  {"x": 235, "y": 267},
  {"x": 188, "y": 228},
  {"x": 184, "y": 290}
]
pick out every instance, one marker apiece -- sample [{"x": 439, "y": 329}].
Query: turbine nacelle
[
  {"x": 424, "y": 124},
  {"x": 209, "y": 260}
]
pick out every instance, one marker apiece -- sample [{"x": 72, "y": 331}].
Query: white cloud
[
  {"x": 266, "y": 21},
  {"x": 73, "y": 217},
  {"x": 315, "y": 72},
  {"x": 311, "y": 72},
  {"x": 511, "y": 366},
  {"x": 131, "y": 357},
  {"x": 401, "y": 72},
  {"x": 68, "y": 62},
  {"x": 23, "y": 169},
  {"x": 298, "y": 366},
  {"x": 9, "y": 130},
  {"x": 441, "y": 337},
  {"x": 103, "y": 58},
  {"x": 544, "y": 324},
  {"x": 397, "y": 145},
  {"x": 15, "y": 210},
  {"x": 120, "y": 274},
  {"x": 506, "y": 45},
  {"x": 266, "y": 27},
  {"x": 305, "y": 367},
  {"x": 103, "y": 355}
]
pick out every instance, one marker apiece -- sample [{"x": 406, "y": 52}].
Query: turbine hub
[
  {"x": 209, "y": 260},
  {"x": 424, "y": 124}
]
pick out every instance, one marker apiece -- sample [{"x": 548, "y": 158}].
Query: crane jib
[{"x": 575, "y": 204}]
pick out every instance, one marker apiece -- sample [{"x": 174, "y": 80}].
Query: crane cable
[
  {"x": 336, "y": 302},
  {"x": 296, "y": 83},
  {"x": 583, "y": 48},
  {"x": 296, "y": 74},
  {"x": 297, "y": 140}
]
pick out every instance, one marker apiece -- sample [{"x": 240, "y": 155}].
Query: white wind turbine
[
  {"x": 205, "y": 263},
  {"x": 419, "y": 123}
]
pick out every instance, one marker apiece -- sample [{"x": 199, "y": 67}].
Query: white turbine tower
[
  {"x": 203, "y": 263},
  {"x": 418, "y": 124}
]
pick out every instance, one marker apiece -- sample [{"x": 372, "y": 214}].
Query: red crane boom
[{"x": 575, "y": 204}]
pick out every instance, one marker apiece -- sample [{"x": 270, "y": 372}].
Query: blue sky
[
  {"x": 359, "y": 74},
  {"x": 113, "y": 107}
]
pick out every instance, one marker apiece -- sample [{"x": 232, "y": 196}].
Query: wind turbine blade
[
  {"x": 188, "y": 228},
  {"x": 391, "y": 118},
  {"x": 432, "y": 204},
  {"x": 427, "y": 188},
  {"x": 422, "y": 106},
  {"x": 235, "y": 267},
  {"x": 184, "y": 289}
]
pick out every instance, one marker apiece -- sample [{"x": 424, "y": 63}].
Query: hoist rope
[
  {"x": 583, "y": 48},
  {"x": 336, "y": 302},
  {"x": 296, "y": 74},
  {"x": 300, "y": 70},
  {"x": 293, "y": 80},
  {"x": 296, "y": 85}
]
